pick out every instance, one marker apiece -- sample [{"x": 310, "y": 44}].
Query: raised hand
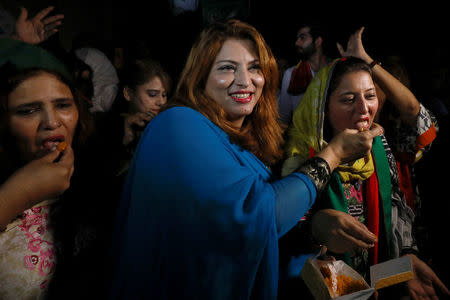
[
  {"x": 355, "y": 47},
  {"x": 39, "y": 28}
]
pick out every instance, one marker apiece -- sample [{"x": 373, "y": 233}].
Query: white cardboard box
[{"x": 382, "y": 275}]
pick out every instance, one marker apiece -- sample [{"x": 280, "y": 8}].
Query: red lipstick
[{"x": 242, "y": 96}]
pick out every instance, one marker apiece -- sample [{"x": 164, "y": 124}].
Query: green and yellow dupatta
[{"x": 306, "y": 138}]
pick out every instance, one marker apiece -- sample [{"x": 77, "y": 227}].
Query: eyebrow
[
  {"x": 34, "y": 103},
  {"x": 226, "y": 61},
  {"x": 234, "y": 62},
  {"x": 305, "y": 33},
  {"x": 25, "y": 105},
  {"x": 63, "y": 99},
  {"x": 352, "y": 93}
]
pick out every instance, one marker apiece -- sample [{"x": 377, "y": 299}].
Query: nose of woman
[
  {"x": 362, "y": 106},
  {"x": 242, "y": 77},
  {"x": 162, "y": 99},
  {"x": 50, "y": 119}
]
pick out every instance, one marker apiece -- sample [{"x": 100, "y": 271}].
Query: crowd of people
[{"x": 119, "y": 181}]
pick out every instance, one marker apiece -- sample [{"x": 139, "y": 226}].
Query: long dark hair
[
  {"x": 10, "y": 78},
  {"x": 75, "y": 218},
  {"x": 140, "y": 71}
]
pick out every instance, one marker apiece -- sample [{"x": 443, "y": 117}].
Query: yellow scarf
[
  {"x": 306, "y": 132},
  {"x": 360, "y": 169}
]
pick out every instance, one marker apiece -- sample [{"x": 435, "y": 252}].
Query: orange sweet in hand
[{"x": 62, "y": 146}]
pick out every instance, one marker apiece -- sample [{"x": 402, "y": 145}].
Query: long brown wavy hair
[{"x": 261, "y": 132}]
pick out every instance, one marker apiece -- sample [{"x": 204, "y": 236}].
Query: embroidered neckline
[{"x": 18, "y": 220}]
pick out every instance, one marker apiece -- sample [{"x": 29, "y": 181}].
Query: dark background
[{"x": 417, "y": 32}]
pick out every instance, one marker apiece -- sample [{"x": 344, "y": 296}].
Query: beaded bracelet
[{"x": 318, "y": 170}]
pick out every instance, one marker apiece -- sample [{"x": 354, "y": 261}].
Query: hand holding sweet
[
  {"x": 44, "y": 178},
  {"x": 41, "y": 179},
  {"x": 350, "y": 145}
]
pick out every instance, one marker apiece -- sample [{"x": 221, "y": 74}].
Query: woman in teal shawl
[
  {"x": 201, "y": 211},
  {"x": 362, "y": 215}
]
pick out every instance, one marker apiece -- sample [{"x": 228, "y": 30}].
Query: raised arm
[{"x": 401, "y": 97}]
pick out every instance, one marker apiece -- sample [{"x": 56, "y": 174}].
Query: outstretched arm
[
  {"x": 38, "y": 28},
  {"x": 400, "y": 96}
]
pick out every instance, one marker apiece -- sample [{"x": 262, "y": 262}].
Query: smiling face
[
  {"x": 42, "y": 113},
  {"x": 148, "y": 97},
  {"x": 354, "y": 103},
  {"x": 235, "y": 80}
]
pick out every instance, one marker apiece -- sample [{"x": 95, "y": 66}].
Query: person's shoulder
[
  {"x": 289, "y": 70},
  {"x": 85, "y": 51},
  {"x": 182, "y": 114},
  {"x": 187, "y": 120}
]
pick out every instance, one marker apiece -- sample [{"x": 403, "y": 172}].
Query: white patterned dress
[{"x": 27, "y": 256}]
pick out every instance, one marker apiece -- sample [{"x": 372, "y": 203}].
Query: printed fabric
[
  {"x": 306, "y": 138},
  {"x": 27, "y": 255}
]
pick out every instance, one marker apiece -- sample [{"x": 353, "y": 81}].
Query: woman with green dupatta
[{"x": 362, "y": 217}]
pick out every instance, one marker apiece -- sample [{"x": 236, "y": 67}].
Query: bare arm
[
  {"x": 39, "y": 180},
  {"x": 402, "y": 98}
]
